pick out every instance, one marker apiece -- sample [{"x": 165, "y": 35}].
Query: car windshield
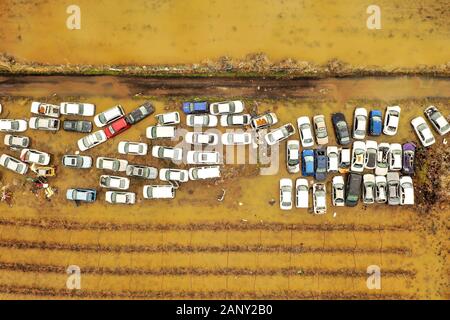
[
  {"x": 15, "y": 125},
  {"x": 102, "y": 118}
]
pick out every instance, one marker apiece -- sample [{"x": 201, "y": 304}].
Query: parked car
[
  {"x": 382, "y": 159},
  {"x": 12, "y": 125},
  {"x": 120, "y": 197},
  {"x": 202, "y": 138},
  {"x": 279, "y": 134},
  {"x": 236, "y": 138},
  {"x": 344, "y": 160},
  {"x": 160, "y": 132},
  {"x": 406, "y": 191},
  {"x": 371, "y": 154},
  {"x": 353, "y": 189},
  {"x": 308, "y": 162},
  {"x": 226, "y": 107},
  {"x": 360, "y": 123},
  {"x": 368, "y": 191},
  {"x": 82, "y": 195},
  {"x": 109, "y": 116},
  {"x": 332, "y": 159},
  {"x": 201, "y": 173},
  {"x": 409, "y": 151},
  {"x": 195, "y": 107},
  {"x": 140, "y": 171},
  {"x": 92, "y": 140},
  {"x": 35, "y": 156},
  {"x": 116, "y": 165},
  {"x": 285, "y": 194},
  {"x": 77, "y": 109},
  {"x": 305, "y": 131},
  {"x": 114, "y": 182},
  {"x": 358, "y": 156},
  {"x": 391, "y": 120},
  {"x": 168, "y": 118},
  {"x": 116, "y": 128},
  {"x": 437, "y": 120},
  {"x": 228, "y": 120},
  {"x": 77, "y": 161},
  {"x": 174, "y": 175},
  {"x": 140, "y": 113},
  {"x": 320, "y": 128},
  {"x": 341, "y": 128},
  {"x": 46, "y": 124},
  {"x": 13, "y": 164},
  {"x": 264, "y": 121},
  {"x": 43, "y": 171},
  {"x": 201, "y": 120},
  {"x": 320, "y": 168},
  {"x": 337, "y": 191},
  {"x": 375, "y": 122},
  {"x": 203, "y": 157},
  {"x": 171, "y": 153},
  {"x": 393, "y": 181},
  {"x": 319, "y": 198},
  {"x": 132, "y": 148},
  {"x": 395, "y": 157},
  {"x": 301, "y": 193},
  {"x": 380, "y": 189},
  {"x": 159, "y": 192},
  {"x": 423, "y": 131},
  {"x": 77, "y": 126},
  {"x": 293, "y": 156},
  {"x": 45, "y": 109},
  {"x": 18, "y": 142}
]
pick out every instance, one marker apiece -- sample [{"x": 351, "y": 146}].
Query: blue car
[
  {"x": 320, "y": 156},
  {"x": 375, "y": 122},
  {"x": 195, "y": 107},
  {"x": 307, "y": 163}
]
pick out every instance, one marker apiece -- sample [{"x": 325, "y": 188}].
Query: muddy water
[{"x": 173, "y": 32}]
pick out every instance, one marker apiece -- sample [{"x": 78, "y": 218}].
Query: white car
[
  {"x": 77, "y": 109},
  {"x": 159, "y": 192},
  {"x": 293, "y": 156},
  {"x": 228, "y": 120},
  {"x": 320, "y": 128},
  {"x": 140, "y": 171},
  {"x": 120, "y": 197},
  {"x": 304, "y": 129},
  {"x": 168, "y": 118},
  {"x": 13, "y": 125},
  {"x": 382, "y": 159},
  {"x": 46, "y": 124},
  {"x": 437, "y": 120},
  {"x": 370, "y": 161},
  {"x": 132, "y": 148},
  {"x": 319, "y": 198},
  {"x": 16, "y": 141},
  {"x": 338, "y": 191},
  {"x": 114, "y": 182},
  {"x": 358, "y": 156},
  {"x": 279, "y": 134},
  {"x": 201, "y": 120},
  {"x": 344, "y": 160},
  {"x": 117, "y": 165},
  {"x": 395, "y": 157},
  {"x": 301, "y": 193},
  {"x": 160, "y": 132},
  {"x": 236, "y": 138},
  {"x": 360, "y": 123},
  {"x": 368, "y": 189},
  {"x": 45, "y": 109},
  {"x": 380, "y": 189},
  {"x": 77, "y": 161},
  {"x": 406, "y": 191},
  {"x": 391, "y": 120},
  {"x": 226, "y": 107},
  {"x": 173, "y": 175},
  {"x": 201, "y": 138},
  {"x": 92, "y": 140},
  {"x": 175, "y": 154},
  {"x": 200, "y": 173},
  {"x": 203, "y": 157},
  {"x": 264, "y": 121},
  {"x": 13, "y": 164},
  {"x": 423, "y": 131},
  {"x": 35, "y": 156},
  {"x": 332, "y": 159},
  {"x": 108, "y": 116},
  {"x": 285, "y": 194}
]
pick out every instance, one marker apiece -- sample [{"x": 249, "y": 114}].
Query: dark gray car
[
  {"x": 140, "y": 113},
  {"x": 77, "y": 126}
]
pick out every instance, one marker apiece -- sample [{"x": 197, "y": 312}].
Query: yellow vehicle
[{"x": 43, "y": 171}]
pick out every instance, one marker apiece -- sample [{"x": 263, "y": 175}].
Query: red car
[{"x": 116, "y": 127}]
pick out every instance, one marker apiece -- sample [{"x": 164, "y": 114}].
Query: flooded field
[{"x": 195, "y": 246}]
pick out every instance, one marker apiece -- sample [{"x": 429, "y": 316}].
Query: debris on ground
[
  {"x": 221, "y": 196},
  {"x": 6, "y": 196},
  {"x": 272, "y": 201}
]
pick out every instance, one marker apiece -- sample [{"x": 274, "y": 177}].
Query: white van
[
  {"x": 204, "y": 173},
  {"x": 159, "y": 192},
  {"x": 158, "y": 132}
]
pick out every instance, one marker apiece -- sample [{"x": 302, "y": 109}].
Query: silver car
[{"x": 393, "y": 181}]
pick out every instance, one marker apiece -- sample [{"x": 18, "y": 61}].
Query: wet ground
[{"x": 195, "y": 246}]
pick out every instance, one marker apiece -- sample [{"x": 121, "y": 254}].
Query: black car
[
  {"x": 353, "y": 189},
  {"x": 140, "y": 113},
  {"x": 341, "y": 128},
  {"x": 320, "y": 157},
  {"x": 77, "y": 126}
]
